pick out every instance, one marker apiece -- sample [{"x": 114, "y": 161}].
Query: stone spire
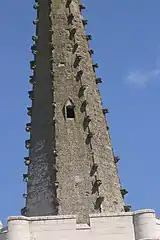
[{"x": 71, "y": 166}]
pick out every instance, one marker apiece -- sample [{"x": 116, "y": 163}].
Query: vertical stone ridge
[
  {"x": 72, "y": 168},
  {"x": 41, "y": 191}
]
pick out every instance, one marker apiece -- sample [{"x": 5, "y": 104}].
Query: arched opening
[
  {"x": 70, "y": 109},
  {"x": 70, "y": 112}
]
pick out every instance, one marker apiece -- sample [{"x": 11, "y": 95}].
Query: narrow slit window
[{"x": 70, "y": 112}]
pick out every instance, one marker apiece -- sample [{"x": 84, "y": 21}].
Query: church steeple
[{"x": 71, "y": 166}]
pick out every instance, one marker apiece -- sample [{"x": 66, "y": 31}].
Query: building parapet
[{"x": 138, "y": 225}]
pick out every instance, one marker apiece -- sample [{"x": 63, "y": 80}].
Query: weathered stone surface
[
  {"x": 139, "y": 225},
  {"x": 63, "y": 150}
]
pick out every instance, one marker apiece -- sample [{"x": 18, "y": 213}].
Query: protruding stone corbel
[
  {"x": 70, "y": 18},
  {"x": 68, "y": 3},
  {"x": 81, "y": 90},
  {"x": 98, "y": 202},
  {"x": 25, "y": 177},
  {"x": 72, "y": 32},
  {"x": 89, "y": 37},
  {"x": 127, "y": 208},
  {"x": 97, "y": 183},
  {"x": 31, "y": 95},
  {"x": 107, "y": 127},
  {"x": 105, "y": 111},
  {"x": 24, "y": 211},
  {"x": 91, "y": 52},
  {"x": 116, "y": 159},
  {"x": 29, "y": 111},
  {"x": 55, "y": 153},
  {"x": 56, "y": 184},
  {"x": 35, "y": 22},
  {"x": 82, "y": 7},
  {"x": 34, "y": 38},
  {"x": 53, "y": 120},
  {"x": 123, "y": 192},
  {"x": 51, "y": 45},
  {"x": 85, "y": 22},
  {"x": 86, "y": 122},
  {"x": 34, "y": 52},
  {"x": 84, "y": 105},
  {"x": 33, "y": 65},
  {"x": 27, "y": 143},
  {"x": 54, "y": 104},
  {"x": 87, "y": 119},
  {"x": 35, "y": 6},
  {"x": 28, "y": 127},
  {"x": 90, "y": 135},
  {"x": 95, "y": 66},
  {"x": 31, "y": 80},
  {"x": 98, "y": 80},
  {"x": 33, "y": 47},
  {"x": 55, "y": 168},
  {"x": 75, "y": 47},
  {"x": 51, "y": 59},
  {"x": 25, "y": 195},
  {"x": 93, "y": 169},
  {"x": 79, "y": 75},
  {"x": 27, "y": 161},
  {"x": 51, "y": 30},
  {"x": 77, "y": 60}
]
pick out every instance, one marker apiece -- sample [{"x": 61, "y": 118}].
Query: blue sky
[{"x": 126, "y": 41}]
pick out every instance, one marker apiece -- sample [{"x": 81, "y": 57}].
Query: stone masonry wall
[
  {"x": 72, "y": 168},
  {"x": 158, "y": 227},
  {"x": 140, "y": 225},
  {"x": 76, "y": 154}
]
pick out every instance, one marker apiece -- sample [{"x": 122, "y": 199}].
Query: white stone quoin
[{"x": 139, "y": 225}]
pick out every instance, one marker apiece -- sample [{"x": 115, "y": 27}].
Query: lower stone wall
[
  {"x": 158, "y": 227},
  {"x": 140, "y": 225}
]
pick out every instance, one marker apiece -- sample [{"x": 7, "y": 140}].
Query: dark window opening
[{"x": 70, "y": 112}]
